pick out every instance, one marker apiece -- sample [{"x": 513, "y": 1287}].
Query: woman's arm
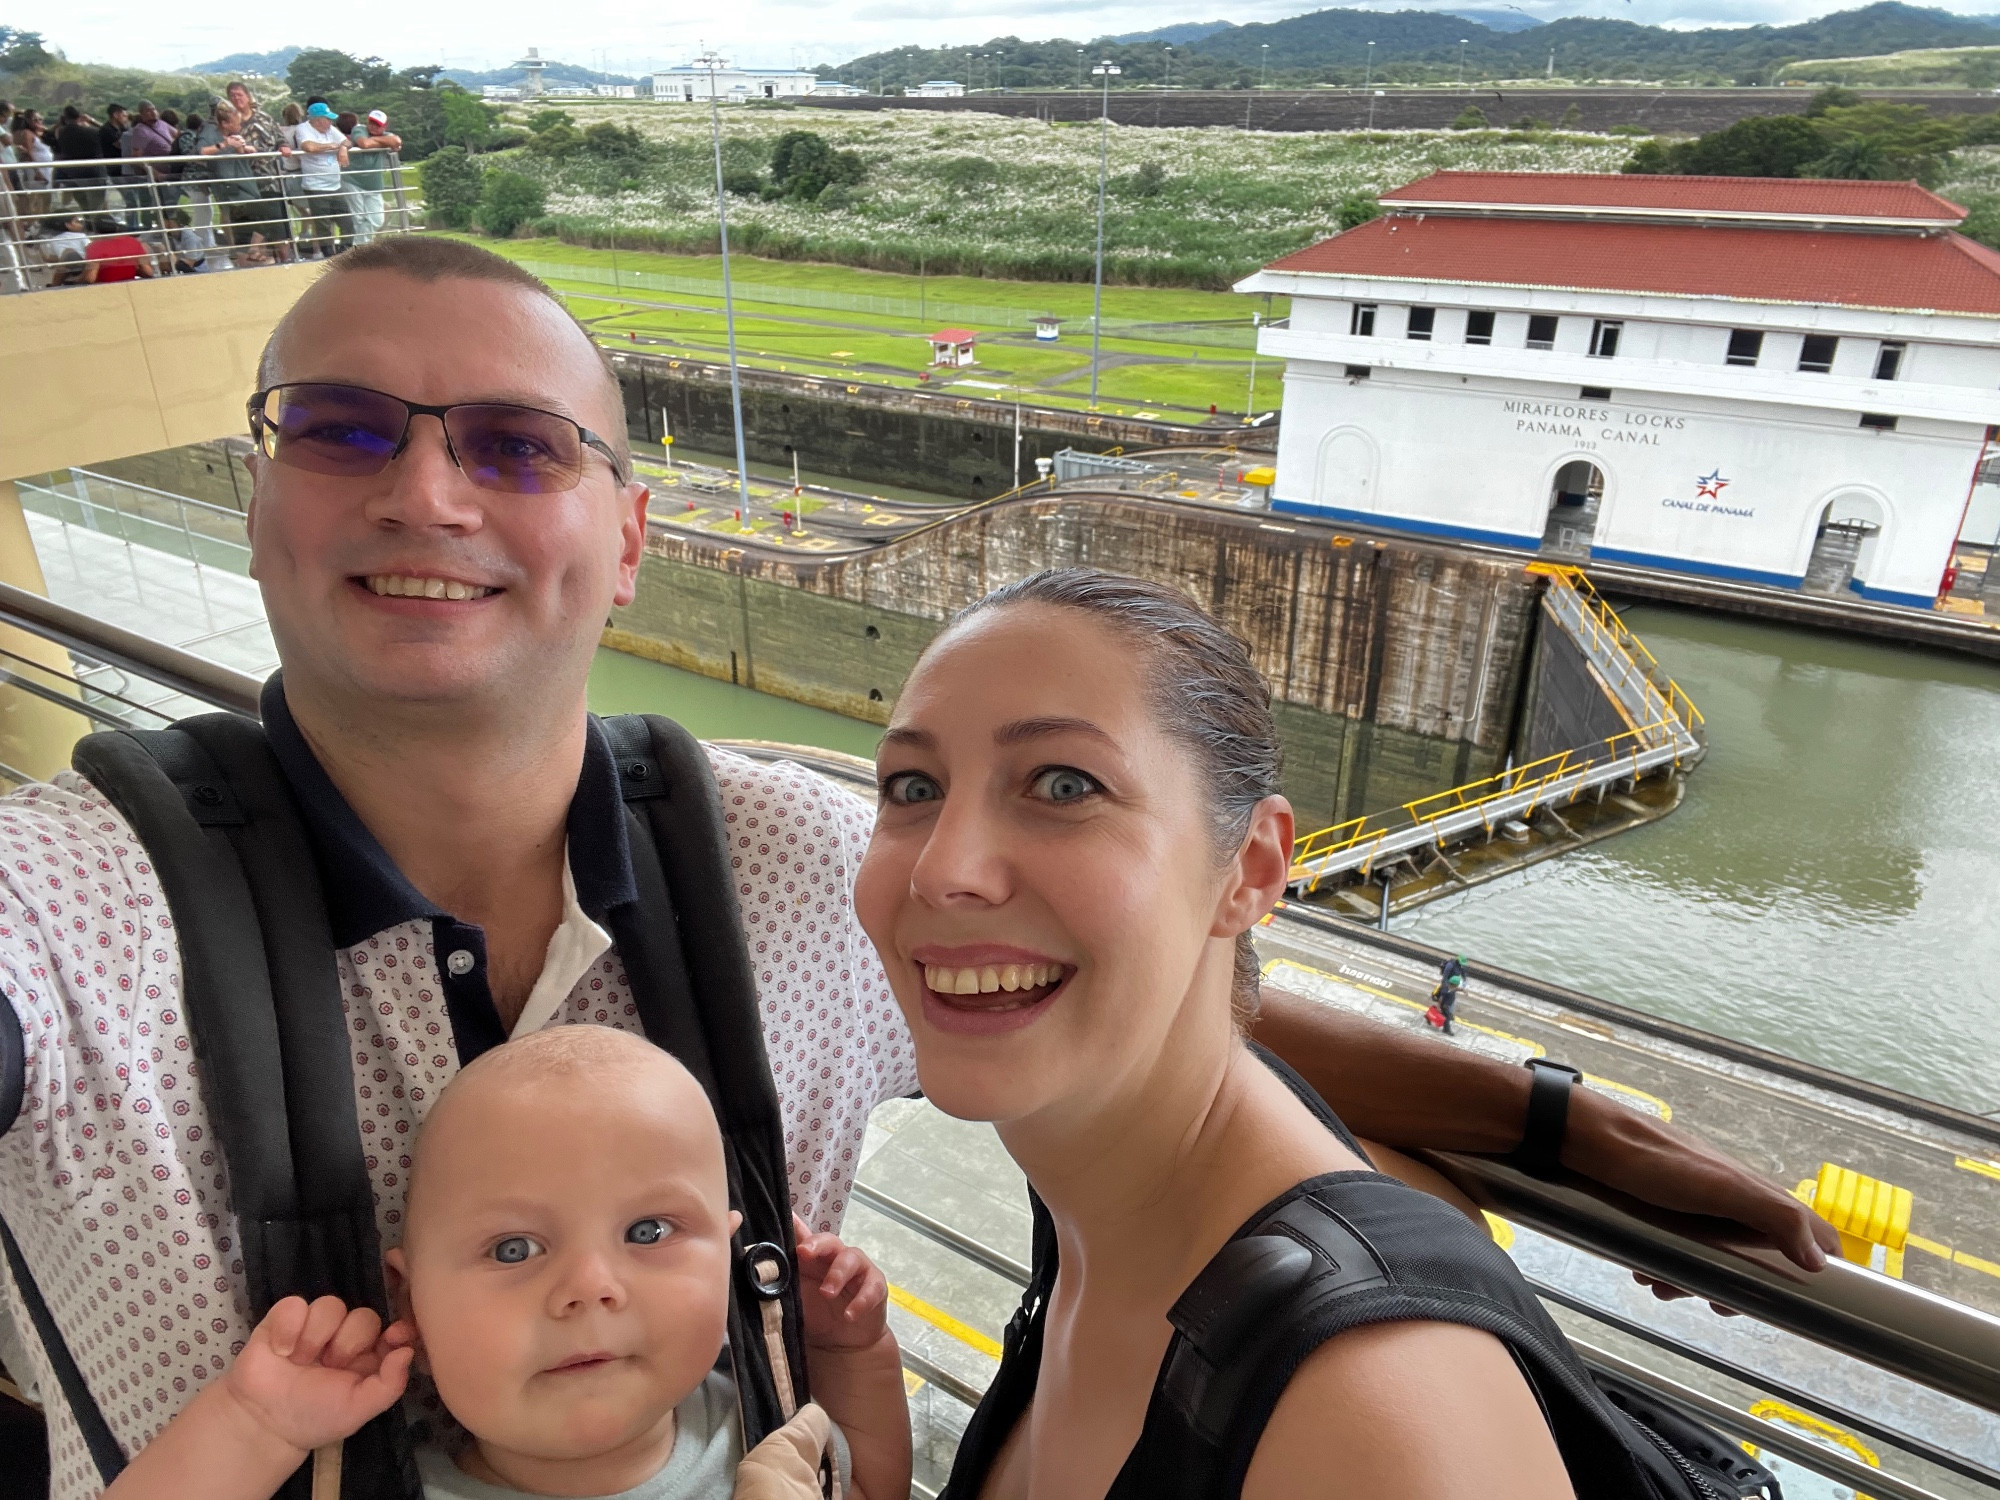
[
  {"x": 1420, "y": 1411},
  {"x": 1406, "y": 1091}
]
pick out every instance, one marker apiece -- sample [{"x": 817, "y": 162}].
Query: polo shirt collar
[{"x": 365, "y": 891}]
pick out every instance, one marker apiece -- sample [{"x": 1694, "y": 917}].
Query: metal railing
[
  {"x": 74, "y": 223},
  {"x": 94, "y": 641},
  {"x": 179, "y": 525},
  {"x": 1668, "y": 733},
  {"x": 1887, "y": 1323}
]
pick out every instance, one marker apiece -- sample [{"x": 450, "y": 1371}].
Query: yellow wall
[
  {"x": 109, "y": 371},
  {"x": 35, "y": 734}
]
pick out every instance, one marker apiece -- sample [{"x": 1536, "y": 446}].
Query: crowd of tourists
[{"x": 152, "y": 192}]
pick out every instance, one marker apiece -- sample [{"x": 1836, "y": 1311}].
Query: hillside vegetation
[
  {"x": 984, "y": 195},
  {"x": 1331, "y": 46},
  {"x": 1962, "y": 67}
]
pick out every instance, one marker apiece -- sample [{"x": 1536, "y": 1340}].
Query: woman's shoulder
[{"x": 1414, "y": 1409}]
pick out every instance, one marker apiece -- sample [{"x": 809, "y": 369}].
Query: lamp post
[
  {"x": 1169, "y": 51},
  {"x": 1079, "y": 67},
  {"x": 1368, "y": 78},
  {"x": 1264, "y": 67},
  {"x": 712, "y": 62},
  {"x": 1107, "y": 70},
  {"x": 1461, "y": 62}
]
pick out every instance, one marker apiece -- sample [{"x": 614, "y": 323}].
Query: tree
[
  {"x": 1860, "y": 158},
  {"x": 1472, "y": 117},
  {"x": 1901, "y": 141},
  {"x": 798, "y": 154},
  {"x": 541, "y": 120},
  {"x": 1831, "y": 98},
  {"x": 1149, "y": 180},
  {"x": 467, "y": 122},
  {"x": 451, "y": 188},
  {"x": 1572, "y": 119},
  {"x": 966, "y": 174},
  {"x": 1357, "y": 209},
  {"x": 326, "y": 72},
  {"x": 1650, "y": 158},
  {"x": 743, "y": 184},
  {"x": 20, "y": 50},
  {"x": 1761, "y": 146},
  {"x": 507, "y": 200}
]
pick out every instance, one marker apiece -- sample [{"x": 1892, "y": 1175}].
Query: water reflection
[{"x": 1831, "y": 886}]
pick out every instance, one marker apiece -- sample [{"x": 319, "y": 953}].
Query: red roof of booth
[
  {"x": 1937, "y": 271},
  {"x": 953, "y": 336},
  {"x": 1619, "y": 191}
]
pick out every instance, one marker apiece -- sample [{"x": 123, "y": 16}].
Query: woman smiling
[{"x": 1080, "y": 824}]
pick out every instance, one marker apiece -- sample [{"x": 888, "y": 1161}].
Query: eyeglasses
[{"x": 354, "y": 432}]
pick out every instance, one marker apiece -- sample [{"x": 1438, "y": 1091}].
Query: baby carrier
[{"x": 213, "y": 810}]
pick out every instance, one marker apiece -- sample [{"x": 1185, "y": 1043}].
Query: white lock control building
[{"x": 1786, "y": 381}]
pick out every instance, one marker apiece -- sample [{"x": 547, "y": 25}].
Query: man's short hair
[{"x": 424, "y": 257}]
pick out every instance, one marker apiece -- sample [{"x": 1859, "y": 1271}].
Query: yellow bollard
[{"x": 1868, "y": 1213}]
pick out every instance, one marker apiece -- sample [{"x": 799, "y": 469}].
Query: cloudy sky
[{"x": 629, "y": 37}]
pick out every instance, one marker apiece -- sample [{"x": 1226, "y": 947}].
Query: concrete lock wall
[
  {"x": 1724, "y": 488},
  {"x": 1397, "y": 669},
  {"x": 955, "y": 446}
]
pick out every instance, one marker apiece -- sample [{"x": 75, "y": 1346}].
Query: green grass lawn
[{"x": 1178, "y": 380}]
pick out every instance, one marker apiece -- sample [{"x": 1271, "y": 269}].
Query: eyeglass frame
[{"x": 258, "y": 421}]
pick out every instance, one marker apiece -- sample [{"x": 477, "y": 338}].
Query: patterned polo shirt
[{"x": 109, "y": 1176}]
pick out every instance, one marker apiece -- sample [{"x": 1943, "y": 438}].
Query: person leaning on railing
[
  {"x": 370, "y": 154},
  {"x": 274, "y": 225},
  {"x": 327, "y": 221},
  {"x": 235, "y": 188}
]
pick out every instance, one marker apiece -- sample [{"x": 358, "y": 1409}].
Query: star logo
[{"x": 1710, "y": 486}]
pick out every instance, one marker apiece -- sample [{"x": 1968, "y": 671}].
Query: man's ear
[{"x": 631, "y": 541}]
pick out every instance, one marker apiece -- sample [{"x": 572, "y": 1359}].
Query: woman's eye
[
  {"x": 1063, "y": 784},
  {"x": 909, "y": 788},
  {"x": 648, "y": 1232},
  {"x": 515, "y": 1249}
]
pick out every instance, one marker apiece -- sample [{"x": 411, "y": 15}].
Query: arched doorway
[
  {"x": 1844, "y": 544},
  {"x": 1574, "y": 499},
  {"x": 1346, "y": 476}
]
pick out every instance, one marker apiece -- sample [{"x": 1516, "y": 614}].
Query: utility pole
[
  {"x": 1079, "y": 67},
  {"x": 1170, "y": 66},
  {"x": 1461, "y": 62},
  {"x": 1368, "y": 78},
  {"x": 1107, "y": 70},
  {"x": 1552, "y": 64},
  {"x": 712, "y": 62},
  {"x": 1264, "y": 67}
]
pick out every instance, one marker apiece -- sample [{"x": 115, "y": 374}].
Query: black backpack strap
[
  {"x": 261, "y": 988},
  {"x": 682, "y": 946}
]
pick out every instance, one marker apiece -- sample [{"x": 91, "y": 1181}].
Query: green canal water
[{"x": 1830, "y": 887}]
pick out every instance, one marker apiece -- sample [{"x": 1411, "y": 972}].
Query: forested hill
[{"x": 1331, "y": 46}]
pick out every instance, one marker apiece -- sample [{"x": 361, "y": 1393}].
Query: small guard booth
[
  {"x": 953, "y": 347},
  {"x": 1048, "y": 328}
]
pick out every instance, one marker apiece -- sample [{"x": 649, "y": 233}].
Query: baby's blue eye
[
  {"x": 515, "y": 1249},
  {"x": 647, "y": 1232}
]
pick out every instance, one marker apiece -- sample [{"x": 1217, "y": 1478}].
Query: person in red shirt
[{"x": 114, "y": 255}]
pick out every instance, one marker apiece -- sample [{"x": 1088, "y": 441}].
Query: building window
[
  {"x": 1888, "y": 362},
  {"x": 1357, "y": 372},
  {"x": 1594, "y": 393},
  {"x": 1745, "y": 344},
  {"x": 1479, "y": 328},
  {"x": 1816, "y": 353},
  {"x": 1876, "y": 422},
  {"x": 1422, "y": 320},
  {"x": 1361, "y": 322},
  {"x": 1541, "y": 332},
  {"x": 1604, "y": 338}
]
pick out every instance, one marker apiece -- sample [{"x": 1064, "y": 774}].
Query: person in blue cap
[
  {"x": 324, "y": 203},
  {"x": 1444, "y": 999}
]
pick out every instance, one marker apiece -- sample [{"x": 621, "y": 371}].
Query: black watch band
[{"x": 1540, "y": 1151}]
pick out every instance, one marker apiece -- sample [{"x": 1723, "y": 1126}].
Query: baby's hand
[
  {"x": 844, "y": 1294},
  {"x": 312, "y": 1375}
]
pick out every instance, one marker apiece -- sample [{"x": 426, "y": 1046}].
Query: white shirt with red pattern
[{"x": 110, "y": 1178}]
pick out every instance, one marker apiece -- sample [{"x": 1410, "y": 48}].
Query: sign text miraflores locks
[{"x": 1571, "y": 419}]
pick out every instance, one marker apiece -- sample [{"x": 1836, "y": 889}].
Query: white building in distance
[
  {"x": 1786, "y": 381},
  {"x": 936, "y": 88},
  {"x": 690, "y": 85}
]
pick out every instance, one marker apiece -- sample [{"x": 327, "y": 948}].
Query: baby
[{"x": 564, "y": 1279}]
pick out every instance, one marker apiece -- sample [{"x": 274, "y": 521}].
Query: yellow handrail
[{"x": 1605, "y": 619}]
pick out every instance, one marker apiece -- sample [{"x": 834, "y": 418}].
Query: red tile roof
[
  {"x": 1721, "y": 195},
  {"x": 1935, "y": 272},
  {"x": 953, "y": 336}
]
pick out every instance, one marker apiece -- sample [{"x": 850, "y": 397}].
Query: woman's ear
[{"x": 1261, "y": 870}]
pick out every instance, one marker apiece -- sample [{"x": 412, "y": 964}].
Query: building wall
[
  {"x": 1397, "y": 669},
  {"x": 1476, "y": 458}
]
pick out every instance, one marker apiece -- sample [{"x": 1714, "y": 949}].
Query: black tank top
[{"x": 1410, "y": 1257}]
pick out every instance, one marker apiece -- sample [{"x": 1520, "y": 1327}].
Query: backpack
[
  {"x": 1333, "y": 1253},
  {"x": 209, "y": 803}
]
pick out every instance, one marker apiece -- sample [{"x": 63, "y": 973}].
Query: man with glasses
[{"x": 444, "y": 515}]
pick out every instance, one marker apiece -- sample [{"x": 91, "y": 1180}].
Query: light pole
[
  {"x": 1368, "y": 78},
  {"x": 712, "y": 62},
  {"x": 1461, "y": 62},
  {"x": 1107, "y": 70},
  {"x": 1170, "y": 66},
  {"x": 1079, "y": 67},
  {"x": 1264, "y": 67}
]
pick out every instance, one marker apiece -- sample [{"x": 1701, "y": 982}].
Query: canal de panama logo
[{"x": 1711, "y": 485}]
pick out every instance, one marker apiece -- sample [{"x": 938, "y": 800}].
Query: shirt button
[{"x": 460, "y": 961}]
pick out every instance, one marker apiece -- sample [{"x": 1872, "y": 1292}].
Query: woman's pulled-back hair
[{"x": 1205, "y": 692}]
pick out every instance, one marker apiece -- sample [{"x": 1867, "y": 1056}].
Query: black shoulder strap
[
  {"x": 262, "y": 992},
  {"x": 682, "y": 946}
]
